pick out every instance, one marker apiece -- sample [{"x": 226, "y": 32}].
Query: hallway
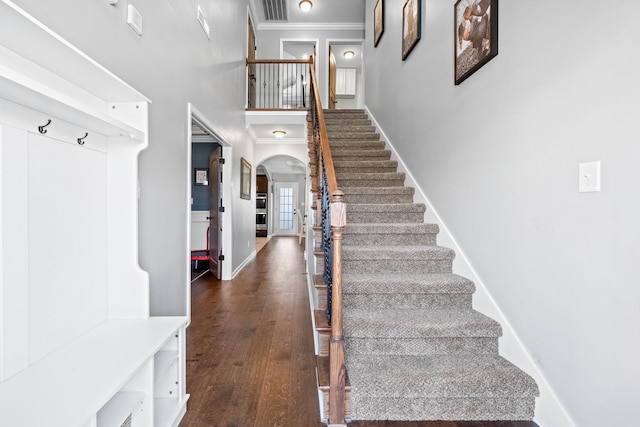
[{"x": 250, "y": 354}]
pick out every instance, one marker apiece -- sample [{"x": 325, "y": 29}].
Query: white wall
[
  {"x": 498, "y": 158},
  {"x": 172, "y": 63}
]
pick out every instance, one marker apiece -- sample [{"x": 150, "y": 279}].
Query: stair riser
[
  {"x": 384, "y": 218},
  {"x": 379, "y": 239},
  {"x": 445, "y": 408},
  {"x": 365, "y": 169},
  {"x": 371, "y": 136},
  {"x": 356, "y": 144},
  {"x": 378, "y": 266},
  {"x": 407, "y": 301},
  {"x": 353, "y": 121},
  {"x": 398, "y": 182},
  {"x": 349, "y": 128},
  {"x": 350, "y": 155},
  {"x": 423, "y": 347},
  {"x": 377, "y": 199}
]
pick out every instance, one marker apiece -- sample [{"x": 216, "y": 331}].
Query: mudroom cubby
[{"x": 78, "y": 347}]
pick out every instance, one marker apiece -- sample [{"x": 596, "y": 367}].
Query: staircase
[{"x": 416, "y": 350}]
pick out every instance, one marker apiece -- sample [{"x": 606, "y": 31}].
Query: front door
[
  {"x": 332, "y": 79},
  {"x": 251, "y": 71},
  {"x": 215, "y": 219},
  {"x": 285, "y": 207}
]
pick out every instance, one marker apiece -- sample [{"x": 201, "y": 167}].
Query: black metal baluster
[{"x": 327, "y": 240}]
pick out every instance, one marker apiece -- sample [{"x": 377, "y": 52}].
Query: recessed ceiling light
[
  {"x": 349, "y": 54},
  {"x": 305, "y": 5},
  {"x": 279, "y": 134}
]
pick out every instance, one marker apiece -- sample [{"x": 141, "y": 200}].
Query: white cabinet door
[{"x": 346, "y": 81}]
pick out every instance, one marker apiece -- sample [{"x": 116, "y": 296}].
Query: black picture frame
[
  {"x": 411, "y": 26},
  {"x": 200, "y": 176},
  {"x": 476, "y": 36},
  {"x": 378, "y": 22},
  {"x": 245, "y": 179}
]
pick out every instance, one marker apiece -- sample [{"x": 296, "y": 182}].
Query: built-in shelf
[
  {"x": 87, "y": 372},
  {"x": 168, "y": 408},
  {"x": 119, "y": 408},
  {"x": 163, "y": 361}
]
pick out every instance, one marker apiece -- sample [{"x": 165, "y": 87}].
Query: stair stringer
[{"x": 549, "y": 409}]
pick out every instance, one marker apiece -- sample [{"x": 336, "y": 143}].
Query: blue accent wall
[{"x": 200, "y": 153}]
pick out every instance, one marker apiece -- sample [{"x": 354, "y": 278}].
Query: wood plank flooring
[{"x": 250, "y": 354}]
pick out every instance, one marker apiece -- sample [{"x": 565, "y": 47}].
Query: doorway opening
[
  {"x": 206, "y": 162},
  {"x": 286, "y": 176},
  {"x": 346, "y": 77}
]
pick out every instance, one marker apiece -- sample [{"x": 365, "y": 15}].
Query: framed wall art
[
  {"x": 201, "y": 176},
  {"x": 245, "y": 179},
  {"x": 476, "y": 36},
  {"x": 378, "y": 22},
  {"x": 411, "y": 26}
]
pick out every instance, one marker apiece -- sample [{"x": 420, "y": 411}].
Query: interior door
[
  {"x": 215, "y": 220},
  {"x": 332, "y": 79},
  {"x": 285, "y": 207},
  {"x": 251, "y": 71}
]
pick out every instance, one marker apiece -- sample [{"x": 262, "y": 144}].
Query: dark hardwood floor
[{"x": 250, "y": 354}]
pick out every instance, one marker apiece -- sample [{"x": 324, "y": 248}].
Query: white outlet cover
[
  {"x": 589, "y": 177},
  {"x": 134, "y": 19}
]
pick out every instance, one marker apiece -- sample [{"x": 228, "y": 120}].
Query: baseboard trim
[{"x": 245, "y": 262}]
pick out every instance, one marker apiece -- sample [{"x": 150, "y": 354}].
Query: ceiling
[
  {"x": 285, "y": 14},
  {"x": 323, "y": 12}
]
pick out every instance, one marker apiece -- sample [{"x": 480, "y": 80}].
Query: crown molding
[{"x": 327, "y": 26}]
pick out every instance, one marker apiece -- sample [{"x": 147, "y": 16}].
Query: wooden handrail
[
  {"x": 279, "y": 61},
  {"x": 338, "y": 218},
  {"x": 324, "y": 141}
]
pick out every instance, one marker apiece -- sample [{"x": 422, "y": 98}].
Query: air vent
[{"x": 275, "y": 10}]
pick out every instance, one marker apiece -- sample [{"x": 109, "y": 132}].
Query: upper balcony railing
[{"x": 278, "y": 84}]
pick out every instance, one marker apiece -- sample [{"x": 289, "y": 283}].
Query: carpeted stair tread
[
  {"x": 377, "y": 195},
  {"x": 387, "y": 207},
  {"x": 419, "y": 323},
  {"x": 469, "y": 376},
  {"x": 349, "y": 127},
  {"x": 357, "y": 144},
  {"x": 406, "y": 283},
  {"x": 413, "y": 252},
  {"x": 386, "y": 228},
  {"x": 349, "y": 153},
  {"x": 390, "y": 234},
  {"x": 365, "y": 166},
  {"x": 363, "y": 136},
  {"x": 355, "y": 120},
  {"x": 367, "y": 179}
]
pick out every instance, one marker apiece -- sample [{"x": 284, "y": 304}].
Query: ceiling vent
[{"x": 275, "y": 10}]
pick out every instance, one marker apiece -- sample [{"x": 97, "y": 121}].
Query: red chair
[{"x": 201, "y": 254}]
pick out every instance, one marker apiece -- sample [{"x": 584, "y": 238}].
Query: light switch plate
[{"x": 589, "y": 177}]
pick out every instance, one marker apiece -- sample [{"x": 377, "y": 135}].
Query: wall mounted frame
[
  {"x": 411, "y": 26},
  {"x": 378, "y": 22},
  {"x": 476, "y": 36}
]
